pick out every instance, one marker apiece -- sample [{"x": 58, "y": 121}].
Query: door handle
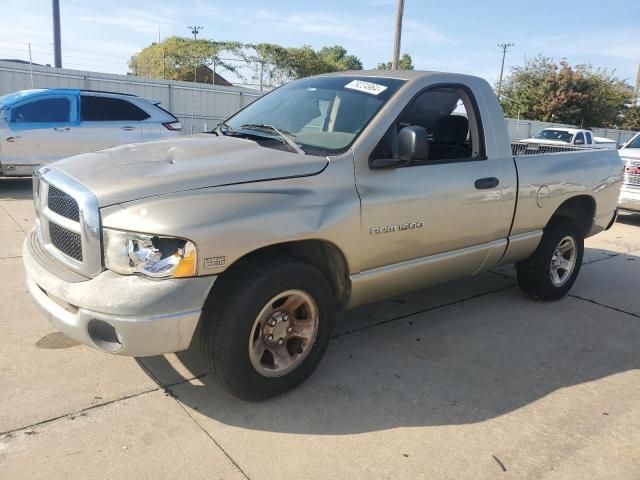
[
  {"x": 12, "y": 139},
  {"x": 485, "y": 183},
  {"x": 61, "y": 129},
  {"x": 128, "y": 128}
]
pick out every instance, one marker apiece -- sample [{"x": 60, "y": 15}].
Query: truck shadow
[
  {"x": 629, "y": 218},
  {"x": 15, "y": 188},
  {"x": 466, "y": 361}
]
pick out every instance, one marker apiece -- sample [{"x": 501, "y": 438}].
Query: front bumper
[
  {"x": 629, "y": 199},
  {"x": 125, "y": 315}
]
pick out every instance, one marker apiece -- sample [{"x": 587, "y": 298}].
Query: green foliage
[
  {"x": 404, "y": 63},
  {"x": 557, "y": 92},
  {"x": 280, "y": 64},
  {"x": 176, "y": 58},
  {"x": 631, "y": 118}
]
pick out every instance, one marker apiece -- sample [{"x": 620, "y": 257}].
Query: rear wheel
[
  {"x": 553, "y": 268},
  {"x": 267, "y": 326}
]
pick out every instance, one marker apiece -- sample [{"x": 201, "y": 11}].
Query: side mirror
[
  {"x": 579, "y": 142},
  {"x": 412, "y": 144}
]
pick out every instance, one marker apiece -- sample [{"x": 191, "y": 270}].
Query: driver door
[{"x": 438, "y": 219}]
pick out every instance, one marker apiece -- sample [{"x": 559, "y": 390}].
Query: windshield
[
  {"x": 634, "y": 143},
  {"x": 559, "y": 135},
  {"x": 322, "y": 115},
  {"x": 13, "y": 97}
]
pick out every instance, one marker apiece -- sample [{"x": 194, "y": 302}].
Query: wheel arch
[
  {"x": 580, "y": 209},
  {"x": 322, "y": 254}
]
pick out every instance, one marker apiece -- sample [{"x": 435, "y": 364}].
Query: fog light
[{"x": 104, "y": 336}]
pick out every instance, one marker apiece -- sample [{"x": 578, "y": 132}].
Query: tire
[
  {"x": 535, "y": 275},
  {"x": 232, "y": 332}
]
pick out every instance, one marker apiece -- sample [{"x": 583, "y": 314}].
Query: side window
[
  {"x": 579, "y": 139},
  {"x": 451, "y": 122},
  {"x": 46, "y": 110},
  {"x": 589, "y": 139},
  {"x": 109, "y": 109}
]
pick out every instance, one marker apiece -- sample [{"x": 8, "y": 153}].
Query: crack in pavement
[
  {"x": 102, "y": 404},
  {"x": 229, "y": 457},
  {"x": 617, "y": 309},
  {"x": 12, "y": 218}
]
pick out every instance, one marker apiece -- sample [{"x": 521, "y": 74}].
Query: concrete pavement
[{"x": 465, "y": 380}]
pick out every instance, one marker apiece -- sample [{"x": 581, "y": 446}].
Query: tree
[
  {"x": 580, "y": 95},
  {"x": 631, "y": 118},
  {"x": 281, "y": 64},
  {"x": 176, "y": 58},
  {"x": 405, "y": 63}
]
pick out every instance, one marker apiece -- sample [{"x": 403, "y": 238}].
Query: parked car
[
  {"x": 41, "y": 126},
  {"x": 259, "y": 232},
  {"x": 630, "y": 193},
  {"x": 575, "y": 137}
]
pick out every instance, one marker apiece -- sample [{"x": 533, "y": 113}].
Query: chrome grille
[
  {"x": 633, "y": 180},
  {"x": 63, "y": 204},
  {"x": 69, "y": 243},
  {"x": 68, "y": 221}
]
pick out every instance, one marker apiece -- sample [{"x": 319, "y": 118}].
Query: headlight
[{"x": 160, "y": 257}]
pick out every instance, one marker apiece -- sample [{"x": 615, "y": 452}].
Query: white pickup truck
[
  {"x": 327, "y": 193},
  {"x": 574, "y": 137},
  {"x": 630, "y": 193}
]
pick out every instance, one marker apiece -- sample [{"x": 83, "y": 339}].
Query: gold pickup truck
[{"x": 325, "y": 194}]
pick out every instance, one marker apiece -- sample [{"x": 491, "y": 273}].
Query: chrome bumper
[
  {"x": 629, "y": 199},
  {"x": 124, "y": 315}
]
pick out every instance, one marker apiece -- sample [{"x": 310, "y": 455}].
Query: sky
[{"x": 439, "y": 35}]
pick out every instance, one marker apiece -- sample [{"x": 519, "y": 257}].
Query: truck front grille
[
  {"x": 63, "y": 204},
  {"x": 68, "y": 221},
  {"x": 69, "y": 243}
]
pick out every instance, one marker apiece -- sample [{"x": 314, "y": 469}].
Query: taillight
[{"x": 173, "y": 126}]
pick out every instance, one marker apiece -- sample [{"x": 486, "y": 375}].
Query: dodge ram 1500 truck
[{"x": 324, "y": 194}]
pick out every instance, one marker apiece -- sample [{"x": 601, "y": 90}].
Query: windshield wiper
[
  {"x": 220, "y": 126},
  {"x": 287, "y": 137}
]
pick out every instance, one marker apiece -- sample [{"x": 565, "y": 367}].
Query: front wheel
[
  {"x": 267, "y": 326},
  {"x": 553, "y": 268}
]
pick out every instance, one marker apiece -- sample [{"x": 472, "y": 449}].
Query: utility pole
[
  {"x": 398, "y": 35},
  {"x": 195, "y": 30},
  {"x": 504, "y": 47},
  {"x": 57, "y": 44},
  {"x": 636, "y": 90},
  {"x": 30, "y": 65}
]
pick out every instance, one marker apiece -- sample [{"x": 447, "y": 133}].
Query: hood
[
  {"x": 131, "y": 172},
  {"x": 632, "y": 153}
]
